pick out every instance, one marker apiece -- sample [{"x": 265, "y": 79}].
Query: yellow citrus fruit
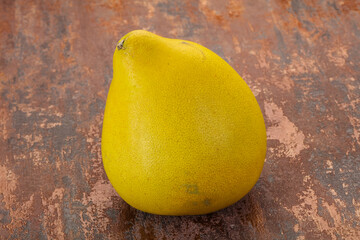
[{"x": 182, "y": 132}]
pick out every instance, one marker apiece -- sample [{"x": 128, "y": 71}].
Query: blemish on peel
[
  {"x": 207, "y": 202},
  {"x": 195, "y": 47},
  {"x": 192, "y": 188}
]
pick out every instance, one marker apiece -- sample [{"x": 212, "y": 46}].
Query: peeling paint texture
[{"x": 301, "y": 59}]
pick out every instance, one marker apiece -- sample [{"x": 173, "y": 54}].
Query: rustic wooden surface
[{"x": 301, "y": 59}]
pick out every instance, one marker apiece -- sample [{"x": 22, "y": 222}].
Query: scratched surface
[{"x": 300, "y": 58}]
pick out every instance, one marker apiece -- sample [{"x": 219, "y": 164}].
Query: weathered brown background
[{"x": 300, "y": 58}]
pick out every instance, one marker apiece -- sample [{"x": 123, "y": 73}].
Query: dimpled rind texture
[{"x": 182, "y": 132}]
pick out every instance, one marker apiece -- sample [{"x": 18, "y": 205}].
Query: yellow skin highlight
[{"x": 182, "y": 132}]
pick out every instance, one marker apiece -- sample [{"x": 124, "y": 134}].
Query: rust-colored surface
[{"x": 300, "y": 58}]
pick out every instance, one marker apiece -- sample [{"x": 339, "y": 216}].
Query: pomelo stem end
[{"x": 120, "y": 45}]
